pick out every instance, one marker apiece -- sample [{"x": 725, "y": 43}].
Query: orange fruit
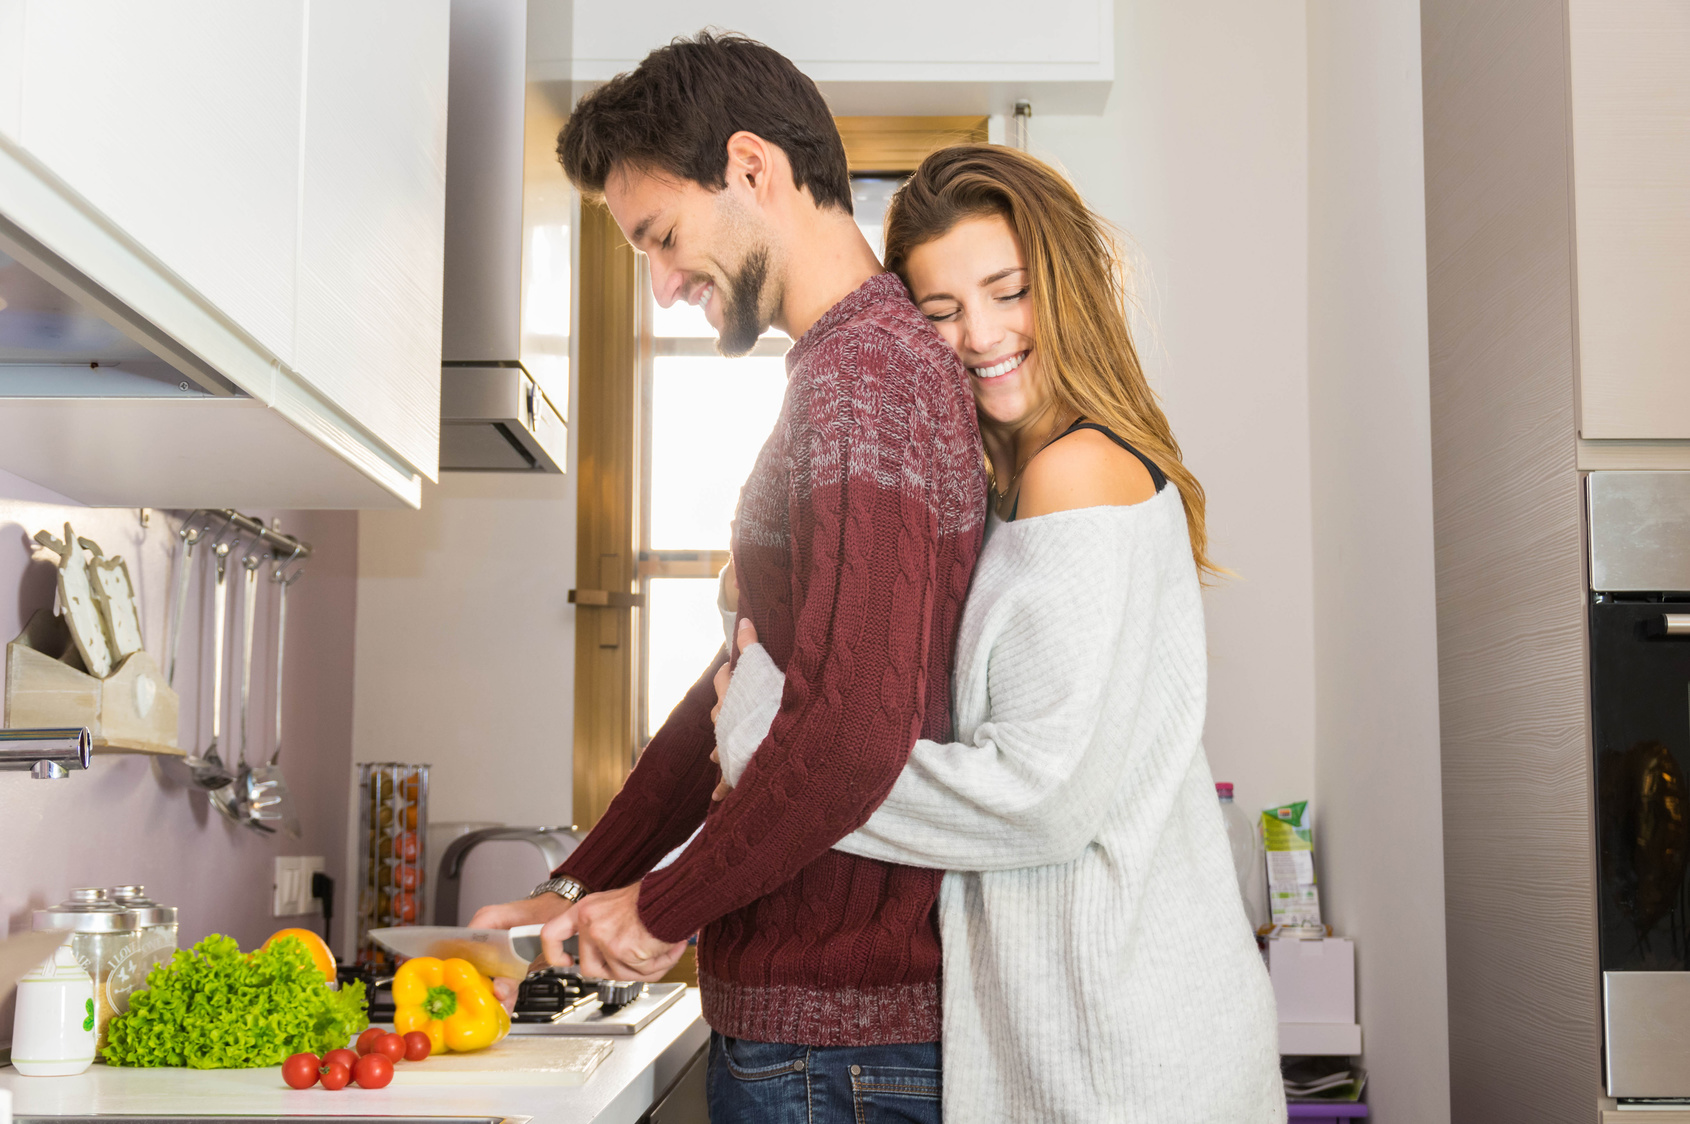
[{"x": 314, "y": 947}]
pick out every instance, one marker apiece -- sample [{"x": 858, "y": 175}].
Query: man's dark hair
[{"x": 674, "y": 114}]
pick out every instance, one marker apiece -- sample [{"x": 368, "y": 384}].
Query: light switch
[{"x": 291, "y": 890}]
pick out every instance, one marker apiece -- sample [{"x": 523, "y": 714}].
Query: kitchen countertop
[{"x": 639, "y": 1068}]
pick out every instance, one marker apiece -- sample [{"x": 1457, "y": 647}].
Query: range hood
[{"x": 510, "y": 221}]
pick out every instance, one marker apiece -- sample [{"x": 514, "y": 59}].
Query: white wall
[
  {"x": 1377, "y": 755},
  {"x": 466, "y": 644},
  {"x": 1201, "y": 158},
  {"x": 1265, "y": 160}
]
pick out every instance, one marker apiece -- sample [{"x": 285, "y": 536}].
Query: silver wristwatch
[{"x": 566, "y": 888}]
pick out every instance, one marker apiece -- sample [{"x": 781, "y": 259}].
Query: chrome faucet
[
  {"x": 47, "y": 754},
  {"x": 452, "y": 862}
]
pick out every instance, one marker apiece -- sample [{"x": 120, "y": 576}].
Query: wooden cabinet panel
[
  {"x": 179, "y": 120},
  {"x": 1631, "y": 174},
  {"x": 372, "y": 218}
]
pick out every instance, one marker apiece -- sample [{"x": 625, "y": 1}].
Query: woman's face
[{"x": 972, "y": 283}]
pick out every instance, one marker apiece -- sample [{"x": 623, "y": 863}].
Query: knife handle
[{"x": 525, "y": 942}]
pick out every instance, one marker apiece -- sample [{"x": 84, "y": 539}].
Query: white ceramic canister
[
  {"x": 157, "y": 939},
  {"x": 53, "y": 1030},
  {"x": 105, "y": 937}
]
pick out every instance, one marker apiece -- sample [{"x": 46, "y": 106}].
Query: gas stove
[{"x": 556, "y": 1001}]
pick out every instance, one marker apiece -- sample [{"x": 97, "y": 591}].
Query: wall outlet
[{"x": 291, "y": 891}]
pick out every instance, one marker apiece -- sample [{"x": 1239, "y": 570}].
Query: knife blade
[
  {"x": 22, "y": 953},
  {"x": 494, "y": 952}
]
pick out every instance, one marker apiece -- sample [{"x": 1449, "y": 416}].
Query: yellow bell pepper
[{"x": 451, "y": 1002}]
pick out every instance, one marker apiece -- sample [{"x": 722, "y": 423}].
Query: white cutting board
[{"x": 512, "y": 1061}]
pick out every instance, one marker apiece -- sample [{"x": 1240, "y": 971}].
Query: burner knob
[{"x": 619, "y": 993}]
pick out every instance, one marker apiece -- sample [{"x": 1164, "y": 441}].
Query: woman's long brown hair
[{"x": 1079, "y": 287}]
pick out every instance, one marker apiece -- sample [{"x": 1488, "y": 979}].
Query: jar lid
[
  {"x": 149, "y": 912},
  {"x": 88, "y": 910}
]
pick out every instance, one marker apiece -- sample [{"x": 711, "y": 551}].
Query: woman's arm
[{"x": 1033, "y": 784}]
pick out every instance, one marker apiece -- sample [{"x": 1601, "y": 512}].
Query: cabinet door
[
  {"x": 11, "y": 67},
  {"x": 372, "y": 218},
  {"x": 179, "y": 121},
  {"x": 1631, "y": 177},
  {"x": 873, "y": 40}
]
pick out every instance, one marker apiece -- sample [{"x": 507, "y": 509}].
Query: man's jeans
[{"x": 771, "y": 1083}]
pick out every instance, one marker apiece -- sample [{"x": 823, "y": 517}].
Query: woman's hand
[{"x": 744, "y": 637}]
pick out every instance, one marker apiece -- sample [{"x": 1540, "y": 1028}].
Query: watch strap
[{"x": 566, "y": 888}]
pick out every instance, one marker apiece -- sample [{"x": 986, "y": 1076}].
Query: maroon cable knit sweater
[{"x": 855, "y": 541}]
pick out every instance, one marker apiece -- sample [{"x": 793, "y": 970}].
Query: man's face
[{"x": 708, "y": 248}]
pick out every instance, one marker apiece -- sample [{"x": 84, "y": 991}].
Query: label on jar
[{"x": 123, "y": 972}]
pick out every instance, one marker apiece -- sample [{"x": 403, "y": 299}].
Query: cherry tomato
[
  {"x": 300, "y": 1071},
  {"x": 391, "y": 1045},
  {"x": 336, "y": 1075},
  {"x": 417, "y": 1046},
  {"x": 373, "y": 1071},
  {"x": 367, "y": 1040},
  {"x": 345, "y": 1057}
]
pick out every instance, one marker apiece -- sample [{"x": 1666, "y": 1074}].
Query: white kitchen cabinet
[
  {"x": 254, "y": 192},
  {"x": 372, "y": 219},
  {"x": 1631, "y": 177},
  {"x": 180, "y": 123},
  {"x": 11, "y": 66},
  {"x": 889, "y": 56}
]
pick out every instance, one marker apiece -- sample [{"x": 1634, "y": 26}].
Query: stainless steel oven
[{"x": 1639, "y": 555}]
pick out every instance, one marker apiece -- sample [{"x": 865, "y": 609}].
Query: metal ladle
[
  {"x": 209, "y": 770},
  {"x": 271, "y": 800},
  {"x": 190, "y": 538},
  {"x": 246, "y": 786}
]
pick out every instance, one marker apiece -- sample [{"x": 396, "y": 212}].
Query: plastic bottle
[{"x": 1246, "y": 857}]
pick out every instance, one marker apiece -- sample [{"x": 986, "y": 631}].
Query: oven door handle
[{"x": 1668, "y": 624}]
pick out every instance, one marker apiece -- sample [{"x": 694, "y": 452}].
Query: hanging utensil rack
[{"x": 290, "y": 553}]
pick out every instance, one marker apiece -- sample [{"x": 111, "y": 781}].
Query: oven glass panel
[{"x": 1640, "y": 681}]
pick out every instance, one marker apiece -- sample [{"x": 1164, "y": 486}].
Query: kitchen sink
[{"x": 279, "y": 1119}]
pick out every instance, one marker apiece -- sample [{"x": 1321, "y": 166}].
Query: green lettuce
[{"x": 217, "y": 1008}]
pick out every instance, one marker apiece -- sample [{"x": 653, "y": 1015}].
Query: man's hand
[
  {"x": 508, "y": 915},
  {"x": 614, "y": 944}
]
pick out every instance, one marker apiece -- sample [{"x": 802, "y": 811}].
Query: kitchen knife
[{"x": 496, "y": 952}]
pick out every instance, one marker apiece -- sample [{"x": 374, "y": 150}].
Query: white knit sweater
[{"x": 1097, "y": 962}]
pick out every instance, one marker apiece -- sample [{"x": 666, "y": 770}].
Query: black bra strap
[{"x": 1157, "y": 476}]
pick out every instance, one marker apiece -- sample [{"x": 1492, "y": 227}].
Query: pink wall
[{"x": 137, "y": 819}]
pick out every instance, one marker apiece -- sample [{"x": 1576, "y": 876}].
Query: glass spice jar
[{"x": 157, "y": 933}]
